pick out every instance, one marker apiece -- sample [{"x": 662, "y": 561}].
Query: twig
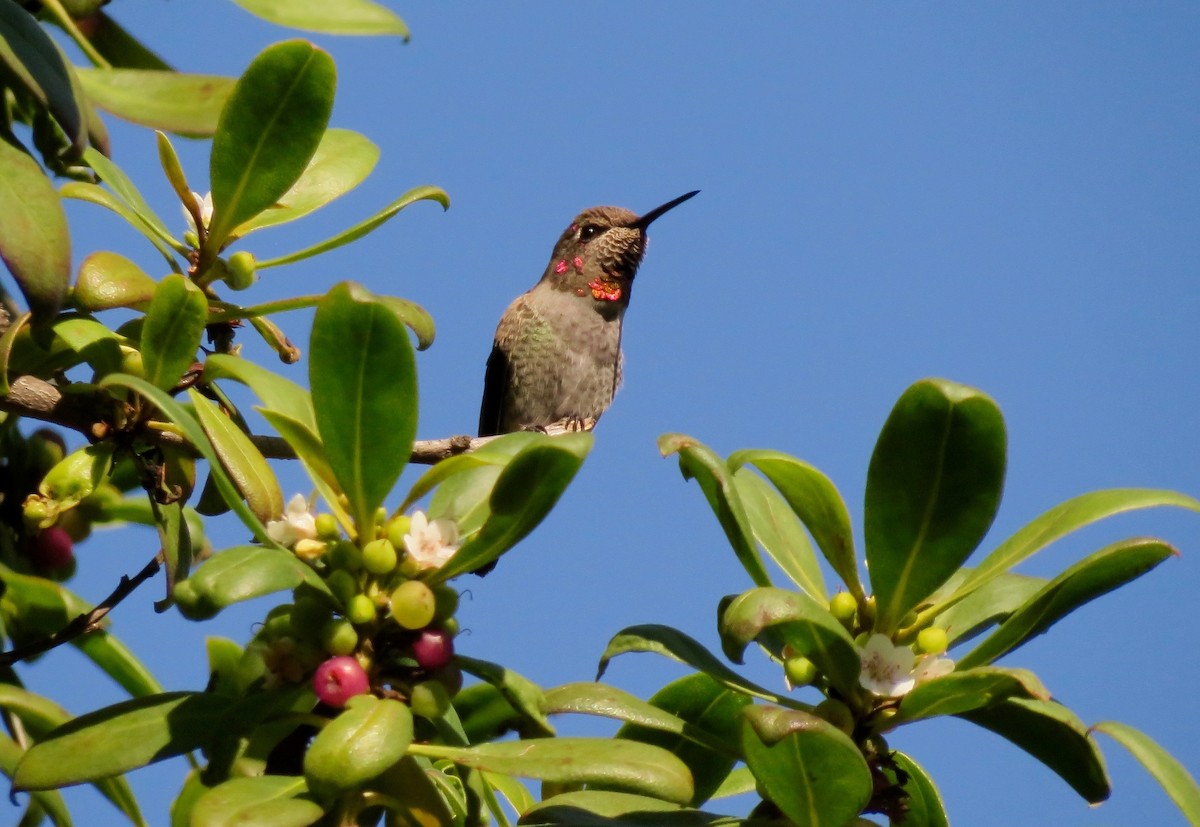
[{"x": 85, "y": 623}]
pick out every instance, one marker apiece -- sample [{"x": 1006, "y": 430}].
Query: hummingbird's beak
[{"x": 644, "y": 222}]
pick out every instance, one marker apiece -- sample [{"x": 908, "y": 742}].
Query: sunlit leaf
[
  {"x": 367, "y": 737},
  {"x": 50, "y": 802},
  {"x": 924, "y": 802},
  {"x": 34, "y": 64},
  {"x": 173, "y": 101},
  {"x": 523, "y": 694},
  {"x": 237, "y": 574},
  {"x": 779, "y": 531},
  {"x": 95, "y": 194},
  {"x": 34, "y": 240},
  {"x": 269, "y": 800},
  {"x": 965, "y": 689},
  {"x": 128, "y": 192},
  {"x": 1162, "y": 766},
  {"x": 276, "y": 392},
  {"x": 986, "y": 605},
  {"x": 107, "y": 280},
  {"x": 343, "y": 17},
  {"x": 243, "y": 462},
  {"x": 174, "y": 326},
  {"x": 604, "y": 808}
]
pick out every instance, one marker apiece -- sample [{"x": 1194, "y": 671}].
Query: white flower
[
  {"x": 891, "y": 671},
  {"x": 297, "y": 524},
  {"x": 431, "y": 544},
  {"x": 204, "y": 204}
]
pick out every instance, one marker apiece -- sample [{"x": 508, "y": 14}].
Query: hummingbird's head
[{"x": 601, "y": 250}]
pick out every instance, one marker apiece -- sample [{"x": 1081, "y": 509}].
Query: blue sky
[{"x": 1007, "y": 195}]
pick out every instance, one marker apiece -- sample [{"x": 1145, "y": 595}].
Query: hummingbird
[{"x": 556, "y": 359}]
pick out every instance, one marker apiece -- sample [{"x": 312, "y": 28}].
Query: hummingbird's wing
[{"x": 496, "y": 382}]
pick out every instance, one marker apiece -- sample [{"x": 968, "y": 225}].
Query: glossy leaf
[
  {"x": 523, "y": 495},
  {"x": 807, "y": 767},
  {"x": 124, "y": 188},
  {"x": 276, "y": 392},
  {"x": 35, "y": 243},
  {"x": 779, "y": 531},
  {"x": 32, "y": 62},
  {"x": 1162, "y": 766},
  {"x": 965, "y": 689},
  {"x": 243, "y": 462},
  {"x": 194, "y": 434},
  {"x": 449, "y": 467},
  {"x": 674, "y": 644},
  {"x": 237, "y": 574},
  {"x": 425, "y": 193},
  {"x": 345, "y": 17},
  {"x": 802, "y": 623},
  {"x": 1088, "y": 579},
  {"x": 367, "y": 737},
  {"x": 185, "y": 104},
  {"x": 174, "y": 326},
  {"x": 1054, "y": 735},
  {"x": 816, "y": 501},
  {"x": 119, "y": 738},
  {"x": 607, "y": 763},
  {"x": 311, "y": 454},
  {"x": 603, "y": 808},
  {"x": 415, "y": 317},
  {"x": 708, "y": 708},
  {"x": 924, "y": 802},
  {"x": 342, "y": 161},
  {"x": 268, "y": 132},
  {"x": 933, "y": 487},
  {"x": 994, "y": 601},
  {"x": 697, "y": 461},
  {"x": 267, "y": 800},
  {"x": 364, "y": 391},
  {"x": 413, "y": 788},
  {"x": 107, "y": 280},
  {"x": 1065, "y": 518},
  {"x": 521, "y": 693}
]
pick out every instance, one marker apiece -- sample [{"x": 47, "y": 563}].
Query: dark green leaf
[
  {"x": 171, "y": 335},
  {"x": 1088, "y": 579},
  {"x": 779, "y": 532},
  {"x": 366, "y": 738},
  {"x": 797, "y": 620},
  {"x": 1162, "y": 766},
  {"x": 121, "y": 737},
  {"x": 266, "y": 800},
  {"x": 521, "y": 693},
  {"x": 237, "y": 574},
  {"x": 924, "y": 802},
  {"x": 175, "y": 543},
  {"x": 1052, "y": 734},
  {"x": 119, "y": 47},
  {"x": 816, "y": 501},
  {"x": 364, "y": 390},
  {"x": 933, "y": 487},
  {"x": 697, "y": 461},
  {"x": 343, "y": 17},
  {"x": 600, "y": 808},
  {"x": 523, "y": 495},
  {"x": 967, "y": 689},
  {"x": 176, "y": 102},
  {"x": 35, "y": 65},
  {"x": 808, "y": 768},
  {"x": 34, "y": 241},
  {"x": 243, "y": 462},
  {"x": 268, "y": 132}
]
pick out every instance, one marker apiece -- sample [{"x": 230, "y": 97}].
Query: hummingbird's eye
[{"x": 588, "y": 232}]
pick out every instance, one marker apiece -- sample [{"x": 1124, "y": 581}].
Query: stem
[
  {"x": 63, "y": 19},
  {"x": 229, "y": 312}
]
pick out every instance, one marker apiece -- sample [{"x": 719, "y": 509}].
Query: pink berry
[
  {"x": 53, "y": 549},
  {"x": 339, "y": 679},
  {"x": 433, "y": 648}
]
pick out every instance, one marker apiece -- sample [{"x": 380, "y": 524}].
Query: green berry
[
  {"x": 843, "y": 606},
  {"x": 327, "y": 527},
  {"x": 429, "y": 699},
  {"x": 344, "y": 586},
  {"x": 360, "y": 609},
  {"x": 379, "y": 557},
  {"x": 308, "y": 617},
  {"x": 397, "y": 527},
  {"x": 446, "y": 602},
  {"x": 345, "y": 555},
  {"x": 932, "y": 640},
  {"x": 338, "y": 637},
  {"x": 800, "y": 671},
  {"x": 413, "y": 604},
  {"x": 836, "y": 713},
  {"x": 241, "y": 270}
]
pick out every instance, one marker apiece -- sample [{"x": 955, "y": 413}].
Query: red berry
[
  {"x": 433, "y": 648},
  {"x": 53, "y": 549},
  {"x": 339, "y": 679}
]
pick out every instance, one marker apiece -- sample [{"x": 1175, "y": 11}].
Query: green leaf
[
  {"x": 119, "y": 47},
  {"x": 237, "y": 574},
  {"x": 185, "y": 104},
  {"x": 150, "y": 224},
  {"x": 34, "y": 241},
  {"x": 364, "y": 390},
  {"x": 425, "y": 193},
  {"x": 342, "y": 161},
  {"x": 175, "y": 542},
  {"x": 195, "y": 435},
  {"x": 415, "y": 317},
  {"x": 1162, "y": 766},
  {"x": 268, "y": 132},
  {"x": 49, "y": 802},
  {"x": 697, "y": 461},
  {"x": 119, "y": 738},
  {"x": 173, "y": 329},
  {"x": 95, "y": 194},
  {"x": 1088, "y": 579},
  {"x": 268, "y": 800},
  {"x": 924, "y": 803},
  {"x": 601, "y": 808},
  {"x": 1065, "y": 518},
  {"x": 779, "y": 532},
  {"x": 986, "y": 605},
  {"x": 450, "y": 467},
  {"x": 33, "y": 63},
  {"x": 807, "y": 767},
  {"x": 344, "y": 17},
  {"x": 797, "y": 620},
  {"x": 965, "y": 689},
  {"x": 366, "y": 738},
  {"x": 1052, "y": 734},
  {"x": 706, "y": 707},
  {"x": 311, "y": 454},
  {"x": 674, "y": 644},
  {"x": 598, "y": 762},
  {"x": 933, "y": 487},
  {"x": 523, "y": 694},
  {"x": 120, "y": 664},
  {"x": 107, "y": 280},
  {"x": 243, "y": 462},
  {"x": 275, "y": 391},
  {"x": 816, "y": 501},
  {"x": 523, "y": 495}
]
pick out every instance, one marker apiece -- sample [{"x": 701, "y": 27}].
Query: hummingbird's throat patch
[{"x": 605, "y": 290}]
